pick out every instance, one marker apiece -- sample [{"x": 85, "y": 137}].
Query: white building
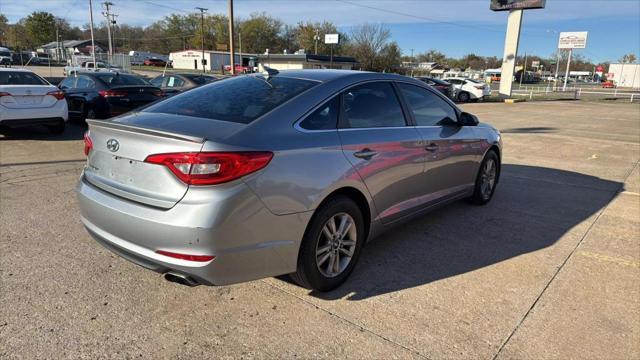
[
  {"x": 306, "y": 61},
  {"x": 625, "y": 75},
  {"x": 216, "y": 60}
]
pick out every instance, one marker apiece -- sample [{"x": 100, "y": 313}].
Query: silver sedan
[{"x": 279, "y": 173}]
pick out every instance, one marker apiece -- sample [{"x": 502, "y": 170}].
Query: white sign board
[
  {"x": 573, "y": 40},
  {"x": 535, "y": 63},
  {"x": 331, "y": 38}
]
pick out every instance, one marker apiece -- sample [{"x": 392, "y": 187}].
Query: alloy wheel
[{"x": 336, "y": 245}]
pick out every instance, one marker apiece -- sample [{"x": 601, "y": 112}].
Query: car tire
[
  {"x": 487, "y": 179},
  {"x": 57, "y": 128},
  {"x": 464, "y": 97},
  {"x": 318, "y": 251}
]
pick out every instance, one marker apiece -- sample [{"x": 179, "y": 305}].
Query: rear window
[
  {"x": 241, "y": 99},
  {"x": 114, "y": 79},
  {"x": 199, "y": 79},
  {"x": 20, "y": 78}
]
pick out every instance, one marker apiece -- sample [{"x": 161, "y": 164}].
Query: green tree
[
  {"x": 389, "y": 58},
  {"x": 261, "y": 32},
  {"x": 306, "y": 33},
  {"x": 40, "y": 27},
  {"x": 4, "y": 30}
]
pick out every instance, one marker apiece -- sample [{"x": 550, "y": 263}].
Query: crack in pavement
[
  {"x": 362, "y": 328},
  {"x": 555, "y": 274}
]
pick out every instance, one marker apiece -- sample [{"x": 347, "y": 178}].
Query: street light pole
[
  {"x": 202, "y": 10},
  {"x": 93, "y": 44},
  {"x": 231, "y": 52},
  {"x": 107, "y": 14}
]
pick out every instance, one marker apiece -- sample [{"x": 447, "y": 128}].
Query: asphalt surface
[{"x": 550, "y": 269}]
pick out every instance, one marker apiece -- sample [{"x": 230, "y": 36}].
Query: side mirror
[{"x": 467, "y": 119}]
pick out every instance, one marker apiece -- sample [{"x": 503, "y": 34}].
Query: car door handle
[
  {"x": 431, "y": 147},
  {"x": 365, "y": 154}
]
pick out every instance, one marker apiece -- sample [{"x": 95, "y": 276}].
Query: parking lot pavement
[{"x": 549, "y": 269}]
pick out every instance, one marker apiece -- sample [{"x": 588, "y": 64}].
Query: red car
[
  {"x": 155, "y": 62},
  {"x": 608, "y": 84}
]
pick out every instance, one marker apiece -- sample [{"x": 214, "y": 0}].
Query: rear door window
[
  {"x": 371, "y": 105},
  {"x": 240, "y": 99}
]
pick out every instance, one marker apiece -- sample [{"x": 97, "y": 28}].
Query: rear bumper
[
  {"x": 14, "y": 123},
  {"x": 248, "y": 241},
  {"x": 34, "y": 116}
]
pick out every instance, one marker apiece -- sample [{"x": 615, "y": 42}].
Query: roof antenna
[{"x": 267, "y": 72}]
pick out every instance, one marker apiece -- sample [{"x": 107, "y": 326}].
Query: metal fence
[
  {"x": 576, "y": 93},
  {"x": 122, "y": 61}
]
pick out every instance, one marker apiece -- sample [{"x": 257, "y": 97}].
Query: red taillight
[
  {"x": 159, "y": 93},
  {"x": 88, "y": 144},
  {"x": 58, "y": 94},
  {"x": 188, "y": 257},
  {"x": 210, "y": 168},
  {"x": 112, "y": 93},
  {"x": 4, "y": 93}
]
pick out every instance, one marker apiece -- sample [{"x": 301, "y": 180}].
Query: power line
[{"x": 418, "y": 17}]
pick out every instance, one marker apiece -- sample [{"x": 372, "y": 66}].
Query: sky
[{"x": 455, "y": 27}]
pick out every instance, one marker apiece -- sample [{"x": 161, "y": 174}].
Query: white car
[
  {"x": 468, "y": 89},
  {"x": 27, "y": 99}
]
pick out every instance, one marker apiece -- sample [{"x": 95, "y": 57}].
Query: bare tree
[
  {"x": 628, "y": 59},
  {"x": 367, "y": 41}
]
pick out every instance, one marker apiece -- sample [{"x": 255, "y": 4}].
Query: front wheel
[
  {"x": 331, "y": 245},
  {"x": 487, "y": 179},
  {"x": 464, "y": 97}
]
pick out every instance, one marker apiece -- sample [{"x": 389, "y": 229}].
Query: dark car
[
  {"x": 172, "y": 84},
  {"x": 444, "y": 87},
  {"x": 102, "y": 95},
  {"x": 155, "y": 62}
]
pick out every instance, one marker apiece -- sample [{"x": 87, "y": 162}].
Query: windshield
[
  {"x": 114, "y": 79},
  {"x": 241, "y": 99},
  {"x": 20, "y": 78}
]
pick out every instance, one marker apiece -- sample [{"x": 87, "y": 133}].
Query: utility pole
[
  {"x": 202, "y": 11},
  {"x": 107, "y": 14},
  {"x": 93, "y": 44},
  {"x": 231, "y": 53}
]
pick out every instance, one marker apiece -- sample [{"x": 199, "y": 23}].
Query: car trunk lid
[
  {"x": 116, "y": 162},
  {"x": 27, "y": 96}
]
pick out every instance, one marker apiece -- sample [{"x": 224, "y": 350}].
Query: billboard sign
[
  {"x": 535, "y": 64},
  {"x": 331, "y": 38},
  {"x": 504, "y": 5},
  {"x": 573, "y": 40}
]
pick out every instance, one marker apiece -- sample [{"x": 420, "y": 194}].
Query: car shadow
[
  {"x": 72, "y": 131},
  {"x": 529, "y": 130},
  {"x": 532, "y": 209}
]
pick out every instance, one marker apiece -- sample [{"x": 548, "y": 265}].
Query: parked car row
[
  {"x": 28, "y": 99},
  {"x": 459, "y": 89}
]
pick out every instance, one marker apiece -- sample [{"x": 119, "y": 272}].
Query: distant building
[
  {"x": 306, "y": 61},
  {"x": 216, "y": 60},
  {"x": 625, "y": 75},
  {"x": 64, "y": 50}
]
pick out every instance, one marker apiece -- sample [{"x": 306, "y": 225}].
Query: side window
[
  {"x": 324, "y": 118},
  {"x": 174, "y": 82},
  {"x": 371, "y": 105},
  {"x": 428, "y": 108}
]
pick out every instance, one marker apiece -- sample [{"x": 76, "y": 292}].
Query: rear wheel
[
  {"x": 331, "y": 245},
  {"x": 57, "y": 128},
  {"x": 487, "y": 179},
  {"x": 464, "y": 97}
]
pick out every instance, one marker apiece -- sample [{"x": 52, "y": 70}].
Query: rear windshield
[
  {"x": 200, "y": 79},
  {"x": 20, "y": 78},
  {"x": 241, "y": 99},
  {"x": 114, "y": 79}
]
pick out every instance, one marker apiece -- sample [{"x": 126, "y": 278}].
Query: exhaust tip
[{"x": 181, "y": 279}]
